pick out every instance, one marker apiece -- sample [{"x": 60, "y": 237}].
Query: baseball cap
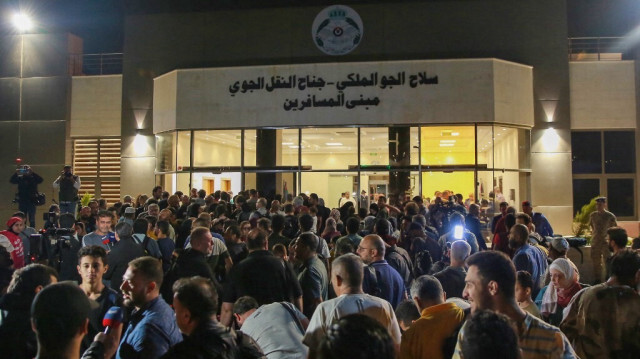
[
  {"x": 601, "y": 199},
  {"x": 560, "y": 244},
  {"x": 526, "y": 203},
  {"x": 129, "y": 210}
]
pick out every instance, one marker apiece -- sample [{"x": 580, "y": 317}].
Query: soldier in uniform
[
  {"x": 603, "y": 321},
  {"x": 599, "y": 221}
]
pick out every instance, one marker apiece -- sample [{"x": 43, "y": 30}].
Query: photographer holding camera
[
  {"x": 68, "y": 185},
  {"x": 64, "y": 248},
  {"x": 27, "y": 182}
]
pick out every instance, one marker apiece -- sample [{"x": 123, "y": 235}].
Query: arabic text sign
[
  {"x": 311, "y": 85},
  {"x": 336, "y": 94}
]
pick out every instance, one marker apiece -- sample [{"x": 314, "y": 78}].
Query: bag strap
[
  {"x": 374, "y": 280},
  {"x": 449, "y": 343},
  {"x": 406, "y": 261},
  {"x": 294, "y": 316}
]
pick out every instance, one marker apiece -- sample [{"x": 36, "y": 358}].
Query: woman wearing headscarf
[
  {"x": 330, "y": 230},
  {"x": 10, "y": 239},
  {"x": 557, "y": 295},
  {"x": 335, "y": 214},
  {"x": 141, "y": 199}
]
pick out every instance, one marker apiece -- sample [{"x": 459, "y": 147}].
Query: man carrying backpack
[
  {"x": 260, "y": 212},
  {"x": 27, "y": 182},
  {"x": 291, "y": 227},
  {"x": 124, "y": 251},
  {"x": 148, "y": 244},
  {"x": 195, "y": 304}
]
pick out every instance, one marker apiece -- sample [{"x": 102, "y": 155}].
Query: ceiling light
[
  {"x": 447, "y": 141},
  {"x": 287, "y": 143},
  {"x": 294, "y": 146},
  {"x": 446, "y": 145},
  {"x": 455, "y": 133},
  {"x": 333, "y": 144}
]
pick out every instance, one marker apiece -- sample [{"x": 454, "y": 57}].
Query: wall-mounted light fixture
[
  {"x": 22, "y": 22},
  {"x": 549, "y": 107}
]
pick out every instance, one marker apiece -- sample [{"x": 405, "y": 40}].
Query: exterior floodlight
[{"x": 22, "y": 22}]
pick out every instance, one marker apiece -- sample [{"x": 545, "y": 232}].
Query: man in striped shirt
[{"x": 490, "y": 285}]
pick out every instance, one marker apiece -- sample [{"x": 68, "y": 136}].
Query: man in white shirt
[
  {"x": 347, "y": 198},
  {"x": 277, "y": 327},
  {"x": 346, "y": 278}
]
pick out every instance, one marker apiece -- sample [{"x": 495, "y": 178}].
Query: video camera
[
  {"x": 51, "y": 217},
  {"x": 58, "y": 235}
]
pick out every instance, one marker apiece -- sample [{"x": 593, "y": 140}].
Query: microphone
[
  {"x": 110, "y": 238},
  {"x": 113, "y": 318}
]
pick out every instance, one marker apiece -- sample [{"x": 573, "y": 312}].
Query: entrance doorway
[
  {"x": 208, "y": 185},
  {"x": 225, "y": 185},
  {"x": 379, "y": 188}
]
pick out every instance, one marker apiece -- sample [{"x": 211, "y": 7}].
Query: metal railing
[
  {"x": 580, "y": 49},
  {"x": 595, "y": 48},
  {"x": 95, "y": 64}
]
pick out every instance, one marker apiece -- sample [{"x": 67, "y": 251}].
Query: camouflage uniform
[
  {"x": 600, "y": 222},
  {"x": 604, "y": 322}
]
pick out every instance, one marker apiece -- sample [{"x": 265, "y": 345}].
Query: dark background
[{"x": 100, "y": 23}]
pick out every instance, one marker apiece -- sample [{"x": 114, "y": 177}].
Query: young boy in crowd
[
  {"x": 524, "y": 287},
  {"x": 92, "y": 264}
]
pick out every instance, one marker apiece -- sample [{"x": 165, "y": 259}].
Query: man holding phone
[
  {"x": 457, "y": 231},
  {"x": 27, "y": 182}
]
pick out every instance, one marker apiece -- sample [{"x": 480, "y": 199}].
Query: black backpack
[
  {"x": 170, "y": 277},
  {"x": 290, "y": 227},
  {"x": 237, "y": 345},
  {"x": 372, "y": 276},
  {"x": 247, "y": 348},
  {"x": 321, "y": 257},
  {"x": 405, "y": 260},
  {"x": 449, "y": 345},
  {"x": 244, "y": 216},
  {"x": 145, "y": 244},
  {"x": 228, "y": 345}
]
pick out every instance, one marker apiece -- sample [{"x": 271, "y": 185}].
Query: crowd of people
[{"x": 208, "y": 275}]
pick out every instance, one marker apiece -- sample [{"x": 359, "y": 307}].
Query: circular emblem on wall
[{"x": 337, "y": 30}]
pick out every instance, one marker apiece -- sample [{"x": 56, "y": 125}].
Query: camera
[
  {"x": 51, "y": 217},
  {"x": 48, "y": 241},
  {"x": 22, "y": 170},
  {"x": 45, "y": 240},
  {"x": 68, "y": 174}
]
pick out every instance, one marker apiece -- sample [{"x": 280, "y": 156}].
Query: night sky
[{"x": 100, "y": 22}]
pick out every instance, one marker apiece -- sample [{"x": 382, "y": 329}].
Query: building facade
[
  {"x": 525, "y": 35},
  {"x": 479, "y": 97}
]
